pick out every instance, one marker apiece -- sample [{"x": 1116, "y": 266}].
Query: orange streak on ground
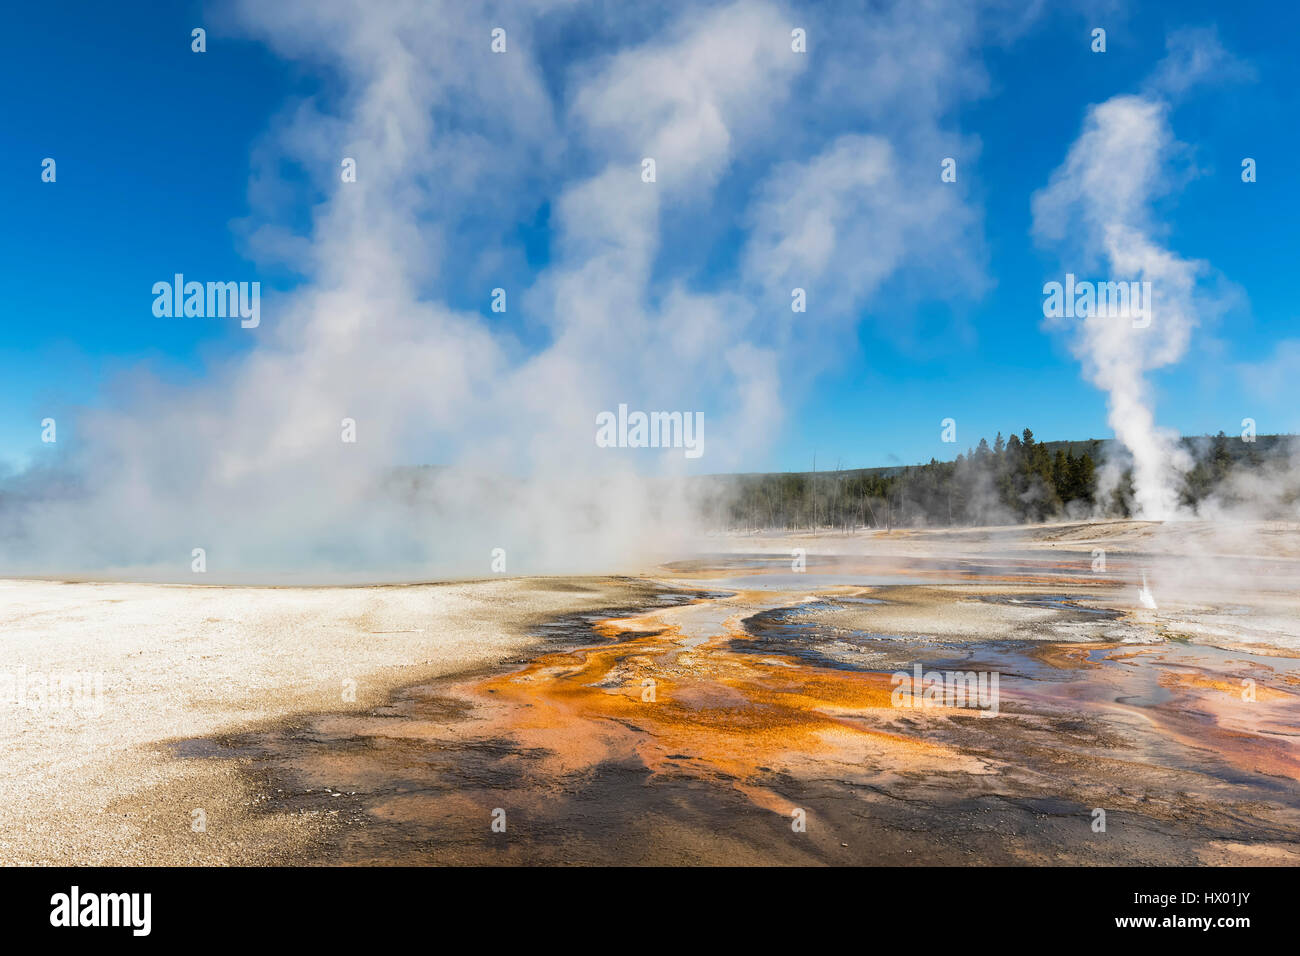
[
  {"x": 743, "y": 720},
  {"x": 713, "y": 712},
  {"x": 1232, "y": 688}
]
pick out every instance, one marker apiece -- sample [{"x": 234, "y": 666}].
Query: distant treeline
[{"x": 1011, "y": 481}]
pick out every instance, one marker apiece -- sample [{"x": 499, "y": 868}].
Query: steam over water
[
  {"x": 423, "y": 154},
  {"x": 452, "y": 147}
]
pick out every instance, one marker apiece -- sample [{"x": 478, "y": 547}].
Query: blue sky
[{"x": 155, "y": 148}]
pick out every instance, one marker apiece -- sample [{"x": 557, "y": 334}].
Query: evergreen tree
[
  {"x": 1084, "y": 479},
  {"x": 1063, "y": 475}
]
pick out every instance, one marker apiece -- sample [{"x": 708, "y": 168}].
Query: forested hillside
[{"x": 1019, "y": 479}]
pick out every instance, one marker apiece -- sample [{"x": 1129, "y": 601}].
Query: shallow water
[
  {"x": 692, "y": 730},
  {"x": 1058, "y": 602}
]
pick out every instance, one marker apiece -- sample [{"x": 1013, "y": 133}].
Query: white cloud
[
  {"x": 454, "y": 145},
  {"x": 1097, "y": 210},
  {"x": 843, "y": 222}
]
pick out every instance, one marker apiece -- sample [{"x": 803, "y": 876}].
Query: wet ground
[{"x": 756, "y": 714}]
